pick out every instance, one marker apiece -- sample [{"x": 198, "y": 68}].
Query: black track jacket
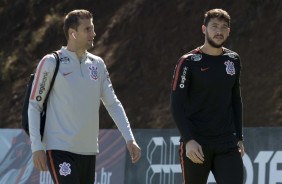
[{"x": 206, "y": 99}]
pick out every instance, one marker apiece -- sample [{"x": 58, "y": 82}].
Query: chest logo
[
  {"x": 65, "y": 169},
  {"x": 65, "y": 60},
  {"x": 231, "y": 55},
  {"x": 230, "y": 67},
  {"x": 196, "y": 57},
  {"x": 65, "y": 74},
  {"x": 93, "y": 72},
  {"x": 204, "y": 69}
]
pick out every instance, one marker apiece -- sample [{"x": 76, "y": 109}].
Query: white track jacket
[{"x": 72, "y": 118}]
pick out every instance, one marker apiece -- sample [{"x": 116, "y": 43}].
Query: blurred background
[{"x": 141, "y": 41}]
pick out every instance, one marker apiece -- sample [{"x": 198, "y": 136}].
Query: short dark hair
[
  {"x": 217, "y": 13},
  {"x": 72, "y": 19}
]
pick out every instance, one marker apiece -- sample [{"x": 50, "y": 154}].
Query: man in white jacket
[{"x": 70, "y": 137}]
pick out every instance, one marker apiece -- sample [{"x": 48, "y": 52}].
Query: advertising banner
[
  {"x": 160, "y": 164},
  {"x": 16, "y": 162}
]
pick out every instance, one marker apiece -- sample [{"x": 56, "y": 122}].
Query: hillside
[{"x": 141, "y": 42}]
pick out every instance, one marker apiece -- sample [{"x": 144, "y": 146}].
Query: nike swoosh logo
[
  {"x": 65, "y": 74},
  {"x": 204, "y": 69}
]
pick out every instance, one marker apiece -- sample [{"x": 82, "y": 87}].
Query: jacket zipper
[{"x": 81, "y": 69}]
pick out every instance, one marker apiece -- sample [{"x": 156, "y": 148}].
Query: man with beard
[
  {"x": 206, "y": 106},
  {"x": 72, "y": 119}
]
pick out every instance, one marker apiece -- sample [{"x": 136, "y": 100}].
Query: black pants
[
  {"x": 66, "y": 167},
  {"x": 226, "y": 165}
]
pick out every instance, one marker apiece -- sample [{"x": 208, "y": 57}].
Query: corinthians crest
[
  {"x": 65, "y": 169},
  {"x": 230, "y": 67},
  {"x": 93, "y": 72}
]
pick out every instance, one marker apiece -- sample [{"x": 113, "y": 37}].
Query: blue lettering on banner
[
  {"x": 163, "y": 170},
  {"x": 104, "y": 178},
  {"x": 161, "y": 167},
  {"x": 158, "y": 165}
]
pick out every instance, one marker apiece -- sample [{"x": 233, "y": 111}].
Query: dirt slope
[{"x": 140, "y": 42}]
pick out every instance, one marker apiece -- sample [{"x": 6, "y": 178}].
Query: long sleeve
[
  {"x": 178, "y": 98},
  {"x": 237, "y": 107},
  {"x": 114, "y": 107},
  {"x": 41, "y": 83}
]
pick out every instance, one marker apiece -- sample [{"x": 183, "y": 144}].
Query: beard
[{"x": 213, "y": 43}]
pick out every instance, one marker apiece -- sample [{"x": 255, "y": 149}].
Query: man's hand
[
  {"x": 241, "y": 148},
  {"x": 134, "y": 151},
  {"x": 194, "y": 152},
  {"x": 39, "y": 160}
]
